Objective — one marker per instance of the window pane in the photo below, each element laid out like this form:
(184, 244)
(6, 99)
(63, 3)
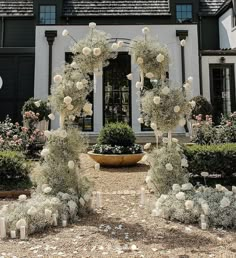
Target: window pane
(47, 14)
(42, 8)
(189, 8)
(178, 8)
(184, 8)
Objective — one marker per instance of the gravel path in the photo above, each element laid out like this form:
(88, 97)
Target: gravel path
(123, 228)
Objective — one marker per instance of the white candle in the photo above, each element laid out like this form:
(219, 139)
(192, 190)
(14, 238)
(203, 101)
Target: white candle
(204, 226)
(99, 200)
(64, 223)
(22, 233)
(142, 196)
(97, 166)
(13, 234)
(3, 232)
(54, 217)
(203, 218)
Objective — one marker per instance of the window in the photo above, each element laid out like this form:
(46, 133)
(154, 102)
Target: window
(47, 14)
(184, 13)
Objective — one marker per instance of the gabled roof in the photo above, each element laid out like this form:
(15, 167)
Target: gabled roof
(210, 7)
(16, 8)
(116, 7)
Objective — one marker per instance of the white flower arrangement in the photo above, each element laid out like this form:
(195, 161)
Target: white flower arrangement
(22, 198)
(203, 204)
(147, 146)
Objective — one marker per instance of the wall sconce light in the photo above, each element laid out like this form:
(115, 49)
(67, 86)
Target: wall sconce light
(222, 60)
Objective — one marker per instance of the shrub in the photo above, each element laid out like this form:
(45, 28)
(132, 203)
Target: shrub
(202, 107)
(119, 134)
(38, 107)
(214, 159)
(14, 169)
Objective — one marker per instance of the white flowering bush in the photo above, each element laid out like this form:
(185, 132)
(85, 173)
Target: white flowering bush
(214, 206)
(151, 56)
(167, 166)
(165, 106)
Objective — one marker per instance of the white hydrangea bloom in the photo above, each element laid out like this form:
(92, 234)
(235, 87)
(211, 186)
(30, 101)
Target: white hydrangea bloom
(73, 65)
(84, 81)
(165, 90)
(37, 103)
(160, 58)
(234, 189)
(187, 187)
(79, 85)
(47, 133)
(71, 164)
(169, 167)
(32, 211)
(153, 126)
(114, 46)
(176, 187)
(51, 116)
(157, 100)
(67, 100)
(139, 85)
(97, 51)
(22, 198)
(174, 140)
(70, 107)
(184, 163)
(72, 206)
(180, 196)
(225, 202)
(47, 190)
(165, 140)
(57, 78)
(147, 146)
(139, 60)
(129, 76)
(190, 79)
(48, 213)
(149, 75)
(21, 223)
(189, 204)
(192, 103)
(140, 120)
(45, 152)
(63, 134)
(86, 51)
(187, 86)
(55, 200)
(176, 109)
(87, 108)
(72, 117)
(92, 25)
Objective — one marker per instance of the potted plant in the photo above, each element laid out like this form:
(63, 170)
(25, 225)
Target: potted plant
(36, 108)
(116, 146)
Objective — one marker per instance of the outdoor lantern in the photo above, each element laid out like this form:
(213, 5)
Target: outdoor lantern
(1, 82)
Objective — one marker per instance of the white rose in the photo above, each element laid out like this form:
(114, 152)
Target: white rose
(73, 65)
(184, 163)
(145, 30)
(55, 200)
(48, 213)
(47, 190)
(22, 198)
(234, 189)
(192, 103)
(32, 211)
(187, 86)
(183, 42)
(97, 51)
(165, 90)
(70, 107)
(92, 25)
(169, 167)
(176, 109)
(87, 108)
(47, 133)
(45, 152)
(51, 116)
(157, 100)
(57, 78)
(79, 85)
(174, 140)
(160, 58)
(72, 117)
(120, 43)
(225, 202)
(65, 33)
(140, 120)
(219, 187)
(176, 187)
(71, 164)
(114, 46)
(86, 51)
(153, 126)
(180, 196)
(147, 146)
(139, 85)
(37, 103)
(165, 140)
(204, 174)
(84, 81)
(189, 205)
(149, 75)
(139, 60)
(190, 79)
(182, 122)
(187, 187)
(67, 100)
(129, 76)
(21, 223)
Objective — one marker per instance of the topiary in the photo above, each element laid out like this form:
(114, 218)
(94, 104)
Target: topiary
(38, 107)
(203, 106)
(120, 134)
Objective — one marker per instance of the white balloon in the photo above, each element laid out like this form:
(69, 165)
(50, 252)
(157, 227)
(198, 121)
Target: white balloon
(1, 82)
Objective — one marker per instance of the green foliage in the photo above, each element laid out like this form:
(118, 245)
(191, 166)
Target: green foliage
(14, 169)
(43, 110)
(214, 159)
(119, 134)
(202, 107)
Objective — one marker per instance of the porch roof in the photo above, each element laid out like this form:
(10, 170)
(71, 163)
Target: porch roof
(211, 7)
(116, 7)
(16, 8)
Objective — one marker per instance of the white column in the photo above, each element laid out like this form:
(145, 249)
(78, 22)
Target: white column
(98, 105)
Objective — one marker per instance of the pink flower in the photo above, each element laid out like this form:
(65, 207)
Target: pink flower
(15, 137)
(228, 123)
